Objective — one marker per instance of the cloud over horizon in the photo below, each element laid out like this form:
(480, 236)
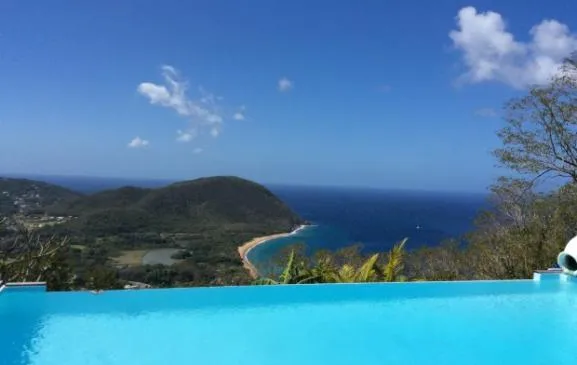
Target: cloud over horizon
(491, 53)
(138, 142)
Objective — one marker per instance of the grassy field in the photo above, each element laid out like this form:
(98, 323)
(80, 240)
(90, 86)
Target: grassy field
(146, 257)
(160, 256)
(131, 257)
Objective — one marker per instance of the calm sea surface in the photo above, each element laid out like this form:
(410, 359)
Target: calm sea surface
(375, 218)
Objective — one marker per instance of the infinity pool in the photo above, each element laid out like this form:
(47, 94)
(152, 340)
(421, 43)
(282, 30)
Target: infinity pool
(503, 322)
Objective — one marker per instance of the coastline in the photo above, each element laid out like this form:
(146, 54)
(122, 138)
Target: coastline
(244, 249)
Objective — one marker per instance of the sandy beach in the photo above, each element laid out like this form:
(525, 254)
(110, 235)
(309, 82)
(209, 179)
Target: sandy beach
(246, 247)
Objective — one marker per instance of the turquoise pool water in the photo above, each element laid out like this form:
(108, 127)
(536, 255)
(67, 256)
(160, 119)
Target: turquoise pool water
(505, 322)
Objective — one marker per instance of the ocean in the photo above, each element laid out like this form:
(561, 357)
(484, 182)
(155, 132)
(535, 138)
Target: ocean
(377, 219)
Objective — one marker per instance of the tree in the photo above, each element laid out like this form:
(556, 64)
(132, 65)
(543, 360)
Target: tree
(27, 256)
(101, 277)
(540, 137)
(441, 263)
(523, 232)
(393, 269)
(60, 276)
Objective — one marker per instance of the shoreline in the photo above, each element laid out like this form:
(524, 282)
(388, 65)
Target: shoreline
(245, 248)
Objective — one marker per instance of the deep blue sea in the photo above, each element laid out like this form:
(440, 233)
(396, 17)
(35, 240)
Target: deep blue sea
(375, 218)
(342, 216)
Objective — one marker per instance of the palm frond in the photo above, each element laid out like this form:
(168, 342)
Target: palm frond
(367, 271)
(395, 262)
(265, 281)
(288, 271)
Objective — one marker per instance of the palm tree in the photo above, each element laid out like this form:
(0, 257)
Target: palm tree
(293, 273)
(349, 274)
(323, 271)
(391, 271)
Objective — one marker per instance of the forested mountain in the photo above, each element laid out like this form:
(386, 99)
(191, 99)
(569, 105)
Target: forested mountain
(108, 234)
(25, 196)
(183, 207)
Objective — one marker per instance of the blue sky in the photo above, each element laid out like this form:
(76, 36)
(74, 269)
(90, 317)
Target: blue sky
(376, 93)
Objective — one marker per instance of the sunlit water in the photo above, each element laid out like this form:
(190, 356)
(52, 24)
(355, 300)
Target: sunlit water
(521, 322)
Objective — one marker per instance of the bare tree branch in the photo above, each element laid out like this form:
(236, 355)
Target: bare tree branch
(540, 137)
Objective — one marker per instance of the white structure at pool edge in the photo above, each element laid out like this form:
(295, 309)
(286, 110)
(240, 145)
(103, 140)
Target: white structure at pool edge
(567, 259)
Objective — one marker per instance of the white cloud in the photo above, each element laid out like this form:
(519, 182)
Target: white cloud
(138, 142)
(185, 136)
(486, 113)
(203, 112)
(197, 150)
(239, 115)
(214, 132)
(284, 84)
(491, 53)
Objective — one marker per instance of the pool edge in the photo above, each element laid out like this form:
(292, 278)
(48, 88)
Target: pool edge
(553, 274)
(539, 275)
(39, 286)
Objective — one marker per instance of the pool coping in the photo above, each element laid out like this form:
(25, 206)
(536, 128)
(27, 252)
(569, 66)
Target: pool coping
(553, 274)
(25, 285)
(538, 275)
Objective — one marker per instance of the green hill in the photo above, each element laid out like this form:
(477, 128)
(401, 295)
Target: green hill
(203, 220)
(30, 196)
(228, 203)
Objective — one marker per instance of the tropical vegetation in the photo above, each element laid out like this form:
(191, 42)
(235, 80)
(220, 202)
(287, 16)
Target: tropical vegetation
(328, 267)
(525, 228)
(204, 220)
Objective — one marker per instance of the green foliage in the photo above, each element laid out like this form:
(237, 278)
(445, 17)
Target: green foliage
(442, 263)
(206, 218)
(393, 269)
(99, 278)
(523, 232)
(328, 267)
(294, 272)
